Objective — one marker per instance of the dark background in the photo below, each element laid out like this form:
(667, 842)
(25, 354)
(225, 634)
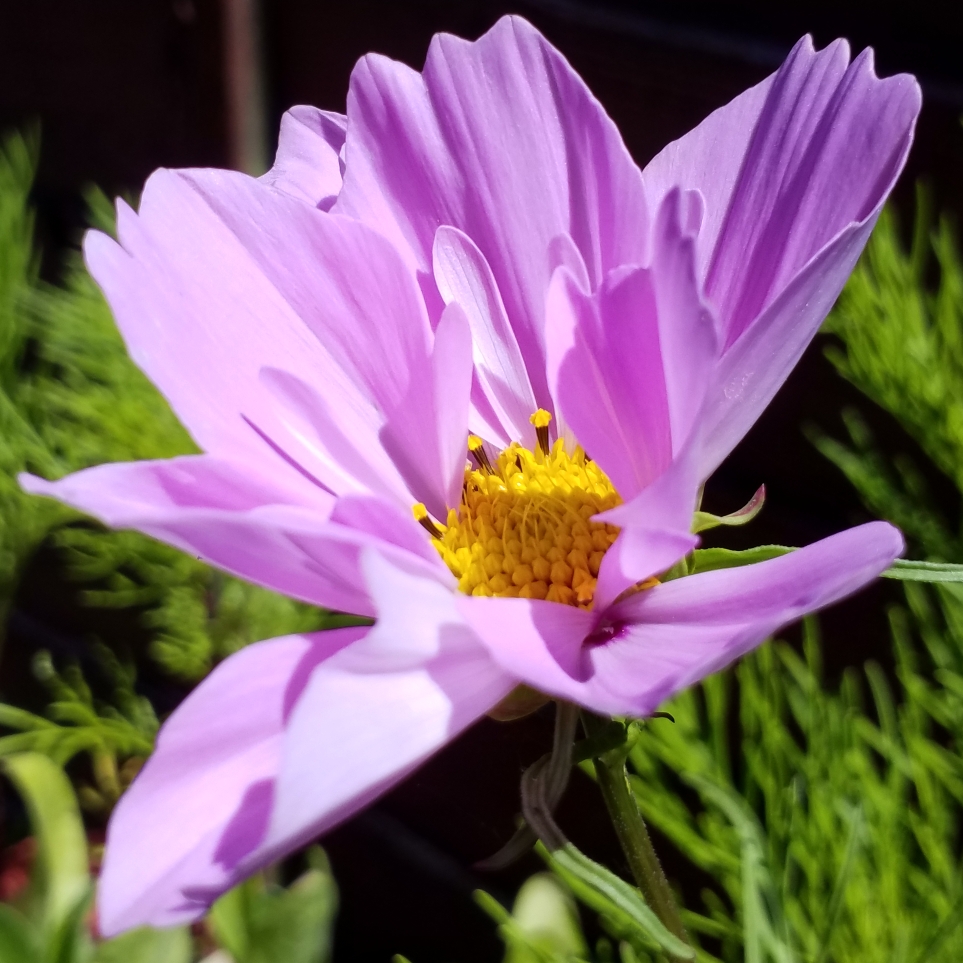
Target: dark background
(120, 88)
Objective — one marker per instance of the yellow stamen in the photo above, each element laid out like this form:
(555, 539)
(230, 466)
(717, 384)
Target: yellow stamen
(427, 523)
(476, 448)
(541, 420)
(523, 528)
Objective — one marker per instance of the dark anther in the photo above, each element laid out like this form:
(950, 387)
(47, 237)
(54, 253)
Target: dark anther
(430, 527)
(476, 449)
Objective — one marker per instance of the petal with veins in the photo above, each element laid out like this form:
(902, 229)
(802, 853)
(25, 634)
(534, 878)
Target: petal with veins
(227, 516)
(308, 162)
(502, 140)
(464, 278)
(203, 799)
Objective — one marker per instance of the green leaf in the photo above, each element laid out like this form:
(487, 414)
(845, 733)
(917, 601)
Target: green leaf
(710, 559)
(909, 570)
(608, 894)
(61, 878)
(12, 717)
(18, 939)
(228, 918)
(70, 941)
(147, 945)
(702, 521)
(258, 923)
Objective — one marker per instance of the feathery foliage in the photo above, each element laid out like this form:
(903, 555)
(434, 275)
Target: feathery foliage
(902, 346)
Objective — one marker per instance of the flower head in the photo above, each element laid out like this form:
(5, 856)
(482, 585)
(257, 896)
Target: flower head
(457, 364)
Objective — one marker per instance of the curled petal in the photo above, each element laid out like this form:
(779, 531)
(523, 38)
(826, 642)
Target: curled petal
(464, 278)
(308, 163)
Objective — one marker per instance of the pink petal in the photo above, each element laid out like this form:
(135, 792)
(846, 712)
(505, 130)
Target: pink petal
(641, 552)
(199, 317)
(353, 291)
(502, 140)
(427, 432)
(375, 711)
(464, 278)
(755, 367)
(628, 659)
(708, 159)
(227, 516)
(203, 799)
(332, 431)
(539, 643)
(688, 343)
(656, 527)
(308, 162)
(785, 168)
(628, 366)
(684, 630)
(342, 279)
(606, 368)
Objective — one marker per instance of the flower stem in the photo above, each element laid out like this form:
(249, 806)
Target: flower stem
(633, 835)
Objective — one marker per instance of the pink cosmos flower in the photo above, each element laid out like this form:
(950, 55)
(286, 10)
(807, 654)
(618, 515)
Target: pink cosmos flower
(470, 250)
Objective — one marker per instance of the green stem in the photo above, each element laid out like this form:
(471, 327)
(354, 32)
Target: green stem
(633, 836)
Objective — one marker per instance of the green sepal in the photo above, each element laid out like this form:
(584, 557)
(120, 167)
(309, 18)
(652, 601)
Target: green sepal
(702, 521)
(710, 559)
(612, 735)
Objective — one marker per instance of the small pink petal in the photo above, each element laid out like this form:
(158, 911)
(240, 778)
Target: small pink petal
(464, 278)
(308, 162)
(606, 369)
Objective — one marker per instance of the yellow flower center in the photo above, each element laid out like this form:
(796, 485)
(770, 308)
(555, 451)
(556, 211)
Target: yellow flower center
(523, 528)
